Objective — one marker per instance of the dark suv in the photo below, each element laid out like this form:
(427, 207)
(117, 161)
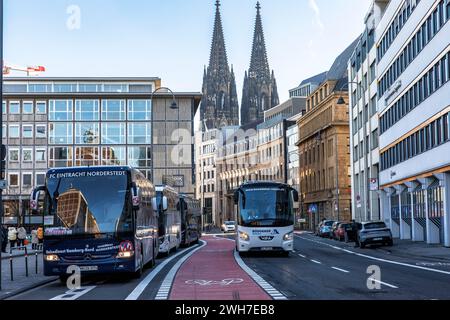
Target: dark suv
(375, 232)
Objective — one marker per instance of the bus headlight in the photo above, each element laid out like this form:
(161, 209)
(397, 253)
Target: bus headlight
(243, 236)
(51, 257)
(288, 236)
(125, 254)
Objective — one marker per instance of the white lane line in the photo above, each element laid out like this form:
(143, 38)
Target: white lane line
(164, 290)
(134, 295)
(379, 259)
(274, 293)
(300, 255)
(339, 269)
(384, 283)
(74, 293)
(315, 261)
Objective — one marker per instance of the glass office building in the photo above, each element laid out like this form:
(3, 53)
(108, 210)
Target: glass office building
(61, 122)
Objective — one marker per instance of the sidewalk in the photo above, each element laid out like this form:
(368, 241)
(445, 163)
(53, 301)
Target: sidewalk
(212, 273)
(20, 281)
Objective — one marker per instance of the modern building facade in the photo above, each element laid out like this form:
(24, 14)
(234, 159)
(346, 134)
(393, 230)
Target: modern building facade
(220, 106)
(413, 49)
(324, 148)
(260, 91)
(308, 86)
(63, 122)
(364, 151)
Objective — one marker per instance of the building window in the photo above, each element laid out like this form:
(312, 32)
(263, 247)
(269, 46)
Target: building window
(113, 110)
(13, 155)
(60, 110)
(87, 133)
(4, 107)
(114, 156)
(139, 156)
(60, 133)
(86, 156)
(41, 155)
(87, 110)
(139, 133)
(139, 110)
(13, 179)
(113, 133)
(14, 131)
(27, 131)
(41, 131)
(27, 155)
(40, 179)
(60, 157)
(41, 107)
(89, 87)
(27, 179)
(14, 107)
(27, 107)
(4, 131)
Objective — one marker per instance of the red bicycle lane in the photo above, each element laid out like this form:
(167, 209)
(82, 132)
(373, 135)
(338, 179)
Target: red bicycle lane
(212, 273)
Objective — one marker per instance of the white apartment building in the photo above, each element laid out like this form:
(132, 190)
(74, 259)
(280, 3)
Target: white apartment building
(413, 49)
(364, 149)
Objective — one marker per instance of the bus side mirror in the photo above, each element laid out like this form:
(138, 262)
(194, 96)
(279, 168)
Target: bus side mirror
(135, 197)
(236, 197)
(295, 195)
(164, 203)
(34, 199)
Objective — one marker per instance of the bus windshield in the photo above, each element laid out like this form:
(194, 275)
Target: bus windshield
(266, 208)
(82, 204)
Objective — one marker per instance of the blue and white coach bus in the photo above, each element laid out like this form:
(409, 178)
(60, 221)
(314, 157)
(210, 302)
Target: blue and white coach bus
(265, 217)
(100, 219)
(190, 210)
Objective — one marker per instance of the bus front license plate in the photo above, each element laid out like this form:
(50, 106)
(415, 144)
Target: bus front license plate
(266, 249)
(89, 268)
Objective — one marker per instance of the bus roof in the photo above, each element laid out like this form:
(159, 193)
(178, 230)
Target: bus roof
(264, 184)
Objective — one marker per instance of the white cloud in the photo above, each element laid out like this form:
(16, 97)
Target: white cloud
(314, 7)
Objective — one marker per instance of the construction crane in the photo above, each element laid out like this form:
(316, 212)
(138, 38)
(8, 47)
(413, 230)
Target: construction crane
(30, 70)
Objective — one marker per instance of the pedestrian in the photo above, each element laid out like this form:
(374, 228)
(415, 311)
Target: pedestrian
(355, 233)
(4, 238)
(34, 239)
(12, 237)
(21, 236)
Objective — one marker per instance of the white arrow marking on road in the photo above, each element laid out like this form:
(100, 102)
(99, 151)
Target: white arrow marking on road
(134, 295)
(74, 293)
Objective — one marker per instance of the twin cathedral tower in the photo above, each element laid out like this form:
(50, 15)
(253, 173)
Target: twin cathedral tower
(220, 106)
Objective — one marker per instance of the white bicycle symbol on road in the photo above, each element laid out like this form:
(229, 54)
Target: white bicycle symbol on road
(224, 282)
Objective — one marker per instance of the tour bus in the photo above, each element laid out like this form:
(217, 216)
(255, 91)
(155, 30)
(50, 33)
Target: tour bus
(190, 220)
(169, 221)
(100, 219)
(265, 217)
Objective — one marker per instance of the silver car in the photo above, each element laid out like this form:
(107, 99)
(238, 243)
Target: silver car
(374, 232)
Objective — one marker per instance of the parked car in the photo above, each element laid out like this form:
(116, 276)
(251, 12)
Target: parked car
(374, 232)
(334, 227)
(340, 231)
(229, 226)
(325, 229)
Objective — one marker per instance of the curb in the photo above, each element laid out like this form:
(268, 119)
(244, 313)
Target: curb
(27, 288)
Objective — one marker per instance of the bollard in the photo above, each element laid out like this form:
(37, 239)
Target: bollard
(11, 265)
(26, 261)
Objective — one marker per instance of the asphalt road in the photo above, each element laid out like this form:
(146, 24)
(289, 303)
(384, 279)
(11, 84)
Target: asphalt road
(319, 269)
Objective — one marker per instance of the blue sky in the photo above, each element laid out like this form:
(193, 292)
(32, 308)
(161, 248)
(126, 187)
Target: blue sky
(171, 38)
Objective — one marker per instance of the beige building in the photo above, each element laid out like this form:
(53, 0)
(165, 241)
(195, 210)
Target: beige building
(324, 149)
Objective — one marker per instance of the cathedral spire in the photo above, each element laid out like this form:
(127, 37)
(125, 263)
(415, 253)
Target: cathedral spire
(218, 60)
(259, 63)
(260, 88)
(219, 105)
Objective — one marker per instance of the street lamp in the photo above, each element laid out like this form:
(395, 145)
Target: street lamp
(173, 105)
(366, 142)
